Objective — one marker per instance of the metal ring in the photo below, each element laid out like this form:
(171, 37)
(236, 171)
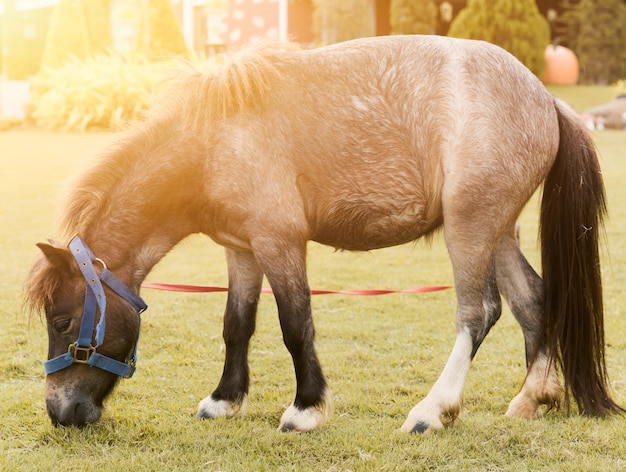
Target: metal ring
(104, 266)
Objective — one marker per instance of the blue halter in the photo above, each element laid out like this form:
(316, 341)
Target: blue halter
(82, 351)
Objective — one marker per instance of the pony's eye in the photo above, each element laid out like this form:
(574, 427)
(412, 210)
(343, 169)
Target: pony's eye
(61, 325)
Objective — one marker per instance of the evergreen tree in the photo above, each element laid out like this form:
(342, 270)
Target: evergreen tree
(98, 21)
(515, 25)
(413, 16)
(22, 39)
(164, 32)
(335, 21)
(596, 32)
(565, 26)
(78, 28)
(82, 28)
(67, 36)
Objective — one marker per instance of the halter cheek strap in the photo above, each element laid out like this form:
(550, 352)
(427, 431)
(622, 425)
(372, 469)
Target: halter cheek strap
(83, 351)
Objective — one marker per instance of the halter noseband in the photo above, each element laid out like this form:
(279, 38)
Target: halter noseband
(82, 351)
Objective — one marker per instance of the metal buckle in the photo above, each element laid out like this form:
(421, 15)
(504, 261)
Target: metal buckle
(132, 366)
(81, 354)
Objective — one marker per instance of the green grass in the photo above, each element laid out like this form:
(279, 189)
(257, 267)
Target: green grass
(381, 354)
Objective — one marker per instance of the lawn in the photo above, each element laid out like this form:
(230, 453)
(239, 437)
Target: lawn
(380, 354)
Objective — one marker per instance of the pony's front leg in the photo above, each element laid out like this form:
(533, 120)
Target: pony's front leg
(313, 403)
(285, 271)
(245, 277)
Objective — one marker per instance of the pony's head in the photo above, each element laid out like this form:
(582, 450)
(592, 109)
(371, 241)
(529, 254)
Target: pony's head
(78, 377)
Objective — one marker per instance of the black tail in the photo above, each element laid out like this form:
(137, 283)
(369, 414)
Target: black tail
(572, 214)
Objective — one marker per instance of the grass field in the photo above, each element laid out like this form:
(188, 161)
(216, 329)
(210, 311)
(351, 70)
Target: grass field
(381, 354)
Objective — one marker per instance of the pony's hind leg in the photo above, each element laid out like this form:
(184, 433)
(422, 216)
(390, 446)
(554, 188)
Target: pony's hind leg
(479, 307)
(245, 277)
(285, 271)
(523, 290)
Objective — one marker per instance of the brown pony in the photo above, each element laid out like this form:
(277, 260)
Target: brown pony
(361, 145)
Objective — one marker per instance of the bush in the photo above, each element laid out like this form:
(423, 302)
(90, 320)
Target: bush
(413, 16)
(596, 32)
(515, 25)
(166, 38)
(335, 21)
(103, 91)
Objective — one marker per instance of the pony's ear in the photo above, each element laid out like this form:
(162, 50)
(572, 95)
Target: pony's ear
(59, 257)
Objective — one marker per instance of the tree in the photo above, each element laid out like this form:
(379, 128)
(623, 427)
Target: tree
(68, 35)
(596, 32)
(22, 37)
(82, 28)
(165, 37)
(98, 23)
(515, 25)
(413, 16)
(565, 25)
(335, 21)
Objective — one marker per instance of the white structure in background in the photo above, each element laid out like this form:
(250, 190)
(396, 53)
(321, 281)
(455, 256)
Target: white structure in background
(14, 96)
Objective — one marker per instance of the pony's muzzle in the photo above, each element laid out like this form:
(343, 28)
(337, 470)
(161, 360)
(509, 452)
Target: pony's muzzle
(69, 407)
(73, 414)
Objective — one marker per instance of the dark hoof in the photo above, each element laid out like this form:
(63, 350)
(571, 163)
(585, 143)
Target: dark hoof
(287, 428)
(420, 427)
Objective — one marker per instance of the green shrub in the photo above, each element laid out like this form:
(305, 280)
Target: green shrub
(335, 21)
(166, 38)
(104, 91)
(596, 32)
(413, 16)
(515, 25)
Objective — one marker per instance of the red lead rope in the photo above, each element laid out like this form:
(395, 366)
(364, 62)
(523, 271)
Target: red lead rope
(369, 292)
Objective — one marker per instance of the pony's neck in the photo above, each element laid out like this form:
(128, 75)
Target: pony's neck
(149, 202)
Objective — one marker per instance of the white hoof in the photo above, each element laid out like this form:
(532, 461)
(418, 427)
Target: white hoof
(417, 423)
(522, 406)
(211, 408)
(426, 417)
(299, 421)
(541, 389)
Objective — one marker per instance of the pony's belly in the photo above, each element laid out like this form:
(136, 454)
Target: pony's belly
(374, 232)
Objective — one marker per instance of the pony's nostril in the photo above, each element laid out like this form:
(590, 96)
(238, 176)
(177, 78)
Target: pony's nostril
(53, 418)
(80, 414)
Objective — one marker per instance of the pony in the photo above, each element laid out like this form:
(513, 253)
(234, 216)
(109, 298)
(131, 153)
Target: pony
(360, 145)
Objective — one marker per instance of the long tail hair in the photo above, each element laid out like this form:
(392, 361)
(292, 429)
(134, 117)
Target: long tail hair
(573, 209)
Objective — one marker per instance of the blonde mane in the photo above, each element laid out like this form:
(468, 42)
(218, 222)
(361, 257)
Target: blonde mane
(223, 86)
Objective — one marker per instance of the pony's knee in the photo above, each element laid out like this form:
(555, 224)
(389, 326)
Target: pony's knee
(212, 408)
(299, 420)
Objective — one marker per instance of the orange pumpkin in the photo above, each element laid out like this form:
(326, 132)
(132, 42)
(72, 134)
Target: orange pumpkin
(561, 66)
